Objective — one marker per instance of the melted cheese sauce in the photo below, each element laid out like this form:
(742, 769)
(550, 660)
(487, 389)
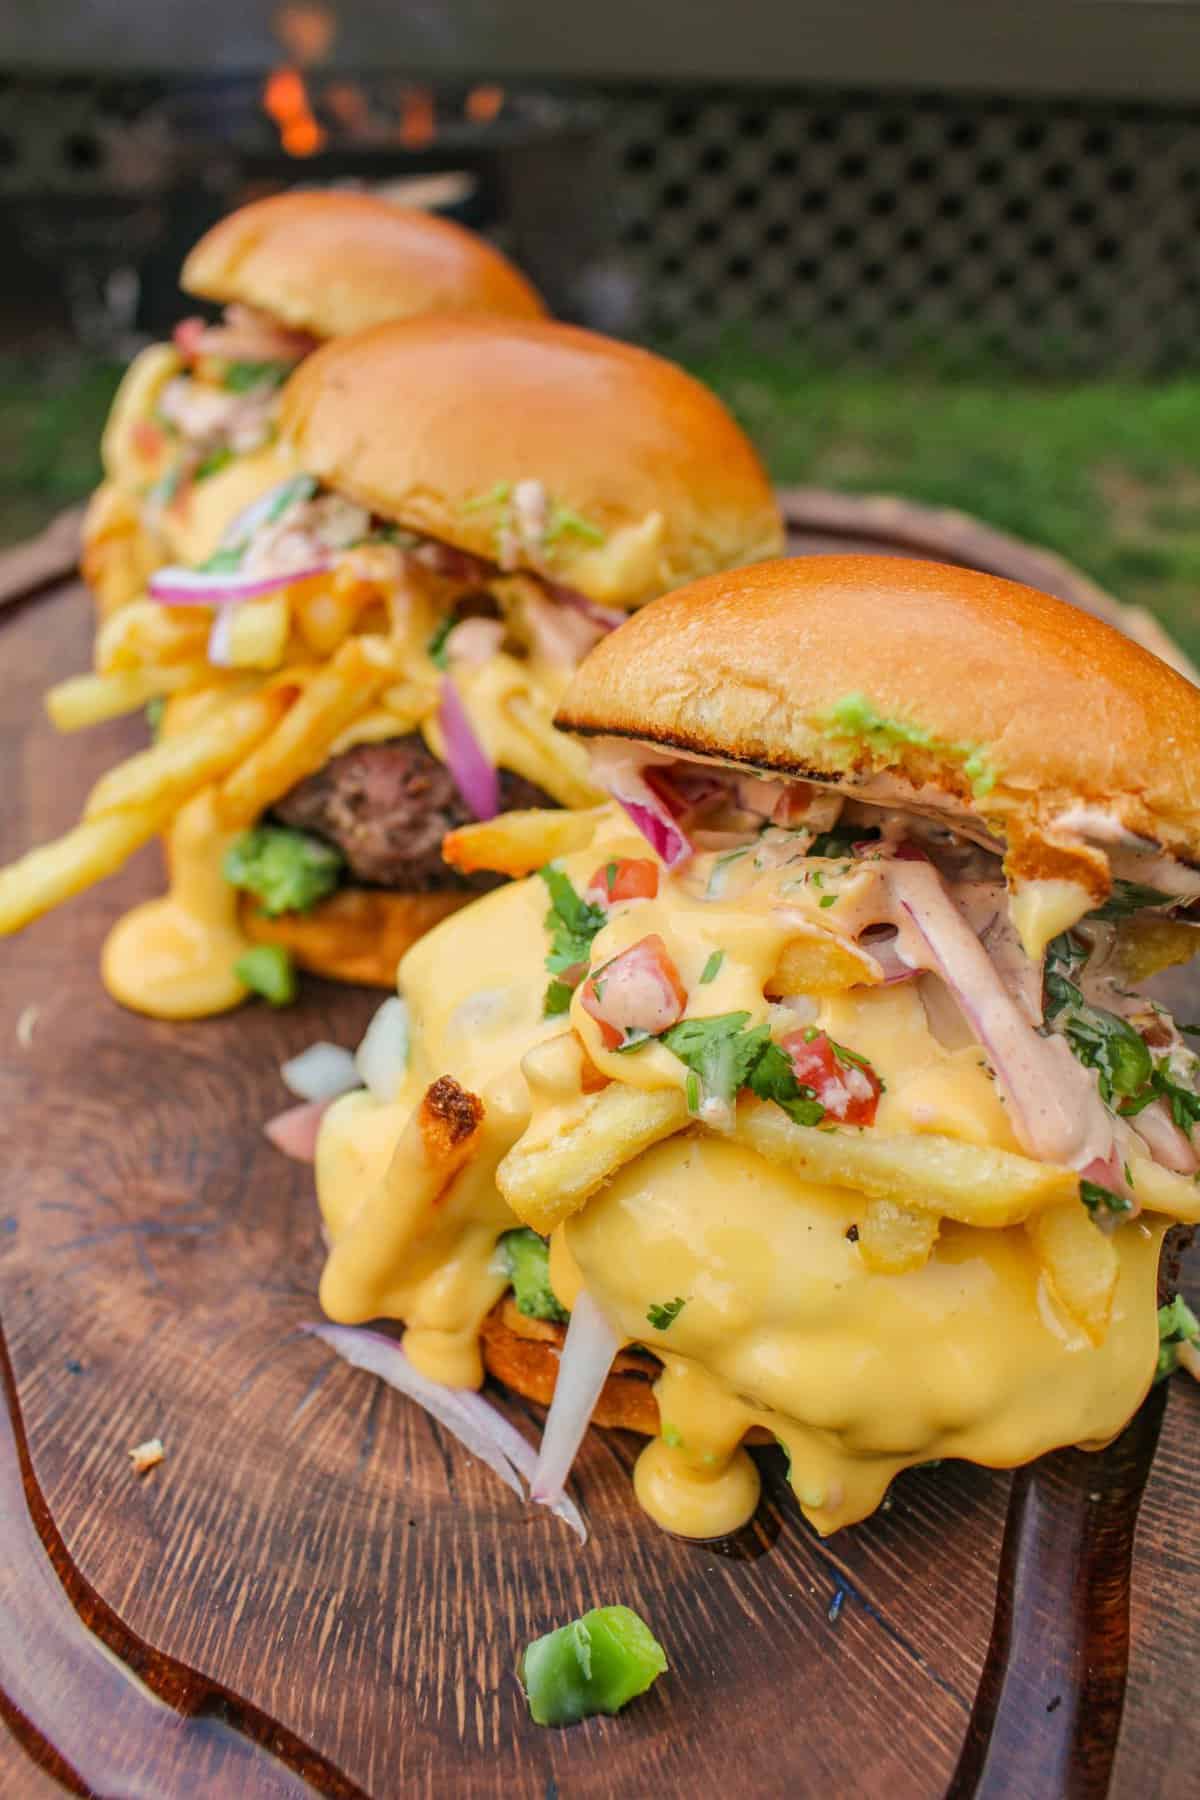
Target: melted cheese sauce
(857, 1374)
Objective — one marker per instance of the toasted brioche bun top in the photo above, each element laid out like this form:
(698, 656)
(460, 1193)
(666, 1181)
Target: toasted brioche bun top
(994, 699)
(331, 263)
(432, 422)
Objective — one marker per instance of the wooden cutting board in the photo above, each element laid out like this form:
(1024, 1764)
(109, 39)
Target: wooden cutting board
(328, 1595)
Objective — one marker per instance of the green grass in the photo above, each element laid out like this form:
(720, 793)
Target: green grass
(1105, 472)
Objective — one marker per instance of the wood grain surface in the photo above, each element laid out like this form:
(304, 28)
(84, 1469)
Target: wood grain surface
(332, 1595)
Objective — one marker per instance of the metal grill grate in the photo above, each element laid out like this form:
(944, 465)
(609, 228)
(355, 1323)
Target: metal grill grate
(1065, 236)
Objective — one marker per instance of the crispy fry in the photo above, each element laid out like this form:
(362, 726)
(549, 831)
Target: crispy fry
(1080, 1263)
(180, 765)
(941, 1175)
(1162, 1191)
(894, 1238)
(259, 632)
(559, 1162)
(440, 1137)
(513, 722)
(331, 699)
(43, 878)
(816, 962)
(147, 635)
(90, 699)
(517, 843)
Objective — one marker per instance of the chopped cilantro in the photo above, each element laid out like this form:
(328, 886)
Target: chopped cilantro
(527, 1259)
(829, 900)
(291, 493)
(723, 1057)
(435, 649)
(214, 462)
(1183, 1103)
(224, 562)
(495, 496)
(1102, 1202)
(712, 968)
(841, 840)
(691, 1091)
(1177, 1324)
(154, 714)
(240, 377)
(663, 1317)
(564, 520)
(572, 923)
(1129, 897)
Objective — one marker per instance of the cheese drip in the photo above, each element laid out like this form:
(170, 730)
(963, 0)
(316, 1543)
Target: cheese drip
(784, 1326)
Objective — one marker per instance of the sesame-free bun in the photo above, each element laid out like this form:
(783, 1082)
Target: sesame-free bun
(996, 700)
(432, 422)
(329, 263)
(356, 935)
(524, 1355)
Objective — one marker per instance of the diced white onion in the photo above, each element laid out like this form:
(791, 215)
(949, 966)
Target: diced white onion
(321, 1072)
(382, 1057)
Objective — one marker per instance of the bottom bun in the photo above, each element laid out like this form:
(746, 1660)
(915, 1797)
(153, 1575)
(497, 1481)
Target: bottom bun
(358, 934)
(523, 1354)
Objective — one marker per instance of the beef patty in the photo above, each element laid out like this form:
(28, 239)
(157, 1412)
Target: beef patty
(387, 808)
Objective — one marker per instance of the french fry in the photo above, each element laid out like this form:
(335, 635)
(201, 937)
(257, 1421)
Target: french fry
(259, 632)
(548, 757)
(147, 635)
(84, 700)
(440, 1137)
(1080, 1262)
(816, 962)
(1162, 1191)
(180, 765)
(976, 1186)
(1147, 944)
(517, 843)
(45, 877)
(549, 1173)
(334, 696)
(893, 1239)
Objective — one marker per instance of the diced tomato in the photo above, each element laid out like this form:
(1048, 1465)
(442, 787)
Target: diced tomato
(848, 1088)
(638, 992)
(909, 852)
(630, 878)
(149, 439)
(187, 335)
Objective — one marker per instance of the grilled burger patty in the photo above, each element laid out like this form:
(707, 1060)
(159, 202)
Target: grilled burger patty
(387, 808)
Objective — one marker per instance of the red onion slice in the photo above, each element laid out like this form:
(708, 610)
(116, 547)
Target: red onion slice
(176, 586)
(382, 1057)
(607, 617)
(474, 776)
(1057, 1112)
(464, 1414)
(658, 828)
(295, 1131)
(1165, 1141)
(321, 1072)
(523, 1457)
(587, 1357)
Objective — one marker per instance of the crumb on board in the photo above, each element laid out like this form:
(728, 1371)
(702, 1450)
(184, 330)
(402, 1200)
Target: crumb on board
(26, 1025)
(147, 1456)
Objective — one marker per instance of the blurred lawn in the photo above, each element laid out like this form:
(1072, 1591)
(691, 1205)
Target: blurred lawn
(1105, 472)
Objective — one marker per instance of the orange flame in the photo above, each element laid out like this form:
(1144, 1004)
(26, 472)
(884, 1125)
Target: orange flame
(285, 99)
(484, 103)
(417, 121)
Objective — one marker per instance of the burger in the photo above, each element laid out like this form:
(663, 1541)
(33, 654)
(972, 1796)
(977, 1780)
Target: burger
(373, 655)
(813, 1099)
(192, 437)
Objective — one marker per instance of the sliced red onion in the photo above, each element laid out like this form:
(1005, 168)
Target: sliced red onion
(220, 639)
(607, 617)
(627, 777)
(659, 830)
(474, 642)
(523, 1457)
(587, 1357)
(295, 1131)
(474, 776)
(883, 950)
(1165, 1141)
(382, 1057)
(1056, 1109)
(321, 1072)
(176, 586)
(477, 1425)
